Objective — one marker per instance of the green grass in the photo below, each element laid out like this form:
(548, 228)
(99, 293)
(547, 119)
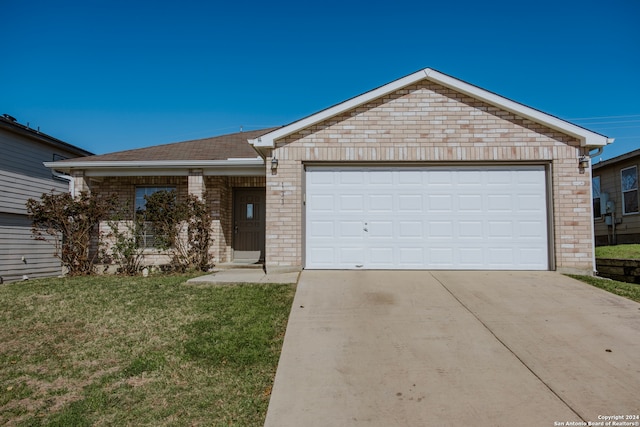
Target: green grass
(104, 351)
(627, 290)
(618, 252)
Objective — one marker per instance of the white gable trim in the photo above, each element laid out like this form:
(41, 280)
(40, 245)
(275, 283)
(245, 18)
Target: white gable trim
(586, 137)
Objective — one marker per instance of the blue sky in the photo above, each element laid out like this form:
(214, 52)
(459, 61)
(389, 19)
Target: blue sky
(114, 75)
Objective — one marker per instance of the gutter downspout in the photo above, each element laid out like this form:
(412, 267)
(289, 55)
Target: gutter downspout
(68, 178)
(597, 153)
(593, 226)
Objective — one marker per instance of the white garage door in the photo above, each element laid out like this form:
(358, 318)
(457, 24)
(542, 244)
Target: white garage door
(485, 218)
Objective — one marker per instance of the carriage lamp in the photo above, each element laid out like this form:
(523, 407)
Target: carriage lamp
(583, 162)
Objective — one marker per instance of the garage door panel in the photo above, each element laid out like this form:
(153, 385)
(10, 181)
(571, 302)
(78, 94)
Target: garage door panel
(472, 178)
(410, 178)
(499, 203)
(381, 203)
(409, 203)
(427, 218)
(380, 230)
(530, 203)
(441, 257)
(411, 256)
(471, 257)
(350, 229)
(500, 230)
(322, 203)
(440, 230)
(470, 229)
(351, 255)
(321, 229)
(323, 257)
(470, 203)
(382, 178)
(410, 230)
(439, 203)
(440, 178)
(531, 257)
(500, 257)
(531, 230)
(499, 177)
(382, 255)
(347, 177)
(351, 203)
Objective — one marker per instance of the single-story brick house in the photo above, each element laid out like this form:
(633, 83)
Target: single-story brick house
(616, 210)
(425, 172)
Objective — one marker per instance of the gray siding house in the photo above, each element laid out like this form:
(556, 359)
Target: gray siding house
(23, 176)
(616, 211)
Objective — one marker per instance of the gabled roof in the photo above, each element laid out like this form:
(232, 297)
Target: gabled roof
(586, 137)
(224, 151)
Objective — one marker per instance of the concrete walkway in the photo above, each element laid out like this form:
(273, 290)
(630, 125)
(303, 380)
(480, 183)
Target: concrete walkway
(381, 348)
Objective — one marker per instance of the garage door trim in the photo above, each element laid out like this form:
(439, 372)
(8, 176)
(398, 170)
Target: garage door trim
(465, 167)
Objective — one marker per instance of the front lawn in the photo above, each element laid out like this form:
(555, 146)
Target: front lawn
(138, 351)
(627, 290)
(618, 252)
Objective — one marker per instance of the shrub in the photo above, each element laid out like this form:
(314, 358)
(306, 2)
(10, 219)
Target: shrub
(182, 228)
(69, 224)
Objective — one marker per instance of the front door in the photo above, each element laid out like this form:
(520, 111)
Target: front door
(249, 224)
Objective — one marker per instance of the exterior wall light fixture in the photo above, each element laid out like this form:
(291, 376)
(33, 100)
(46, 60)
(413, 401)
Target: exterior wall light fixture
(583, 162)
(274, 165)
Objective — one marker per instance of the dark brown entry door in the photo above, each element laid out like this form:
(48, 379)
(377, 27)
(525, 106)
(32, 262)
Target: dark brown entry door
(249, 223)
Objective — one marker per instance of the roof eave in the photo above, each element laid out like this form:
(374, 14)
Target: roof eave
(586, 137)
(239, 167)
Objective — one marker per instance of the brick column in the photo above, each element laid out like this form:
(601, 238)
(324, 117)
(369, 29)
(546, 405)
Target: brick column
(196, 185)
(80, 182)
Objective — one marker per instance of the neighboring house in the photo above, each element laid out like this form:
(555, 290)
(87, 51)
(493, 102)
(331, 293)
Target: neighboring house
(615, 200)
(426, 172)
(23, 176)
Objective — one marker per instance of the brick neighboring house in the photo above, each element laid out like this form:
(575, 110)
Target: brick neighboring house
(425, 172)
(615, 200)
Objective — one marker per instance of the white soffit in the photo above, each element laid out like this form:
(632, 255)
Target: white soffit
(162, 167)
(586, 137)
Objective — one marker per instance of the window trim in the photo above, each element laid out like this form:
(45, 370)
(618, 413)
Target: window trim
(599, 198)
(623, 191)
(146, 233)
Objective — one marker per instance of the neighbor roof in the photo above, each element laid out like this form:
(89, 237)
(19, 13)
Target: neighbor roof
(11, 124)
(614, 160)
(586, 137)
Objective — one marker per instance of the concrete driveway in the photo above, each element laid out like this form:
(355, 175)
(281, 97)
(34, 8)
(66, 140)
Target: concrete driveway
(421, 348)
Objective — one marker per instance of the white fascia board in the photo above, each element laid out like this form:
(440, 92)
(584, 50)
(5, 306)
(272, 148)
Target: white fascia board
(154, 164)
(217, 171)
(231, 167)
(586, 137)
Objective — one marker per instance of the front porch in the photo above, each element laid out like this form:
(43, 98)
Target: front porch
(236, 205)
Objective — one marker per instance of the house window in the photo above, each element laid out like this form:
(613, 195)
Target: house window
(595, 186)
(147, 232)
(629, 185)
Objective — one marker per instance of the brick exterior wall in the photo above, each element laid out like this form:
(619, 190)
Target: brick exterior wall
(218, 191)
(429, 123)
